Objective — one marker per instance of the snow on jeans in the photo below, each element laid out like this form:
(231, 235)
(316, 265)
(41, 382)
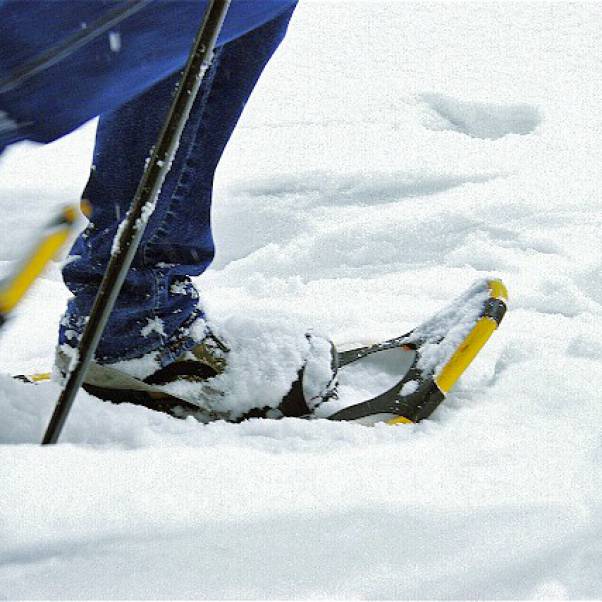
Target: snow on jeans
(158, 305)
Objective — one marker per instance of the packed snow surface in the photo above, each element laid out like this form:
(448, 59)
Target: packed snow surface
(393, 153)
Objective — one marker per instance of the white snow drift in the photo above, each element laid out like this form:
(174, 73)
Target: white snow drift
(393, 153)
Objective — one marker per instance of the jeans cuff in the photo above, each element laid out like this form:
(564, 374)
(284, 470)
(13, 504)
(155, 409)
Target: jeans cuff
(188, 334)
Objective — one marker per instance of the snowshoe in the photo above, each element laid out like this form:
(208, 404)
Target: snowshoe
(427, 362)
(48, 244)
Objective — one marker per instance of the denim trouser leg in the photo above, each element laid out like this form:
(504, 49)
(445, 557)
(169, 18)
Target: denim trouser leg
(158, 303)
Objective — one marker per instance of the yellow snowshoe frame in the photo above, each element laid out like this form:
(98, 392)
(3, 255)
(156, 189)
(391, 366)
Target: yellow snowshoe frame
(14, 287)
(476, 338)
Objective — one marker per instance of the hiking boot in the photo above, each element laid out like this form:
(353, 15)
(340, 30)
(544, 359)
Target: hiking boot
(216, 380)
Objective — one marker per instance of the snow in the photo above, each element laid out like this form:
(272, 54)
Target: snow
(410, 387)
(116, 245)
(154, 325)
(466, 309)
(114, 41)
(393, 154)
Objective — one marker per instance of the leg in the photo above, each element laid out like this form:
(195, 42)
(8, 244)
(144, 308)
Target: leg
(157, 309)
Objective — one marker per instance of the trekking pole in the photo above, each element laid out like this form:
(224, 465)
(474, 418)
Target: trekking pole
(132, 228)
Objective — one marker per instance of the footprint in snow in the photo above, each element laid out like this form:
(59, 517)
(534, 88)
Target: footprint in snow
(328, 189)
(585, 346)
(479, 119)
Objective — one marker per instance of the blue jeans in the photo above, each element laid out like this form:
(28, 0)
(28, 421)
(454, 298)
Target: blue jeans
(158, 304)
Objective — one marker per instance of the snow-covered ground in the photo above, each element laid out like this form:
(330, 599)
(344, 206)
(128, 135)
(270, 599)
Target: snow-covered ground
(393, 153)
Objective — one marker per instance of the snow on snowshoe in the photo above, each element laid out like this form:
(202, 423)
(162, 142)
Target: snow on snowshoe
(220, 378)
(424, 365)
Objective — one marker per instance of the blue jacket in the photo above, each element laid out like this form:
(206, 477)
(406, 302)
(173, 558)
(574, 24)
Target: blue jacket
(64, 62)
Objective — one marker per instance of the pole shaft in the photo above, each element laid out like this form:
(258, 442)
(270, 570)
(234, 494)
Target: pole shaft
(134, 224)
